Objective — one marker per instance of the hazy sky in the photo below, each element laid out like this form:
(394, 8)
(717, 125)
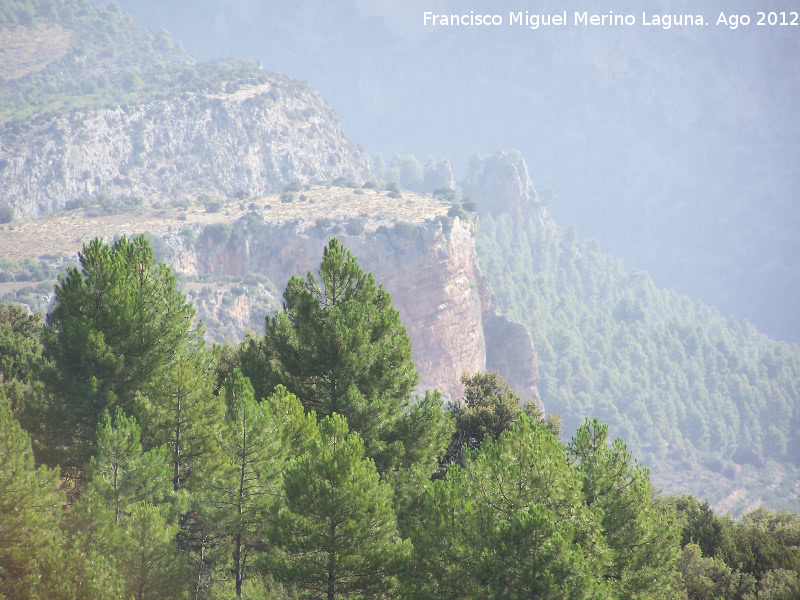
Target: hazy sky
(677, 148)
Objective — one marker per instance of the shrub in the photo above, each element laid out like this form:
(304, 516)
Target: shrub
(445, 193)
(457, 211)
(345, 182)
(217, 234)
(405, 230)
(447, 223)
(470, 204)
(79, 202)
(356, 226)
(6, 213)
(293, 186)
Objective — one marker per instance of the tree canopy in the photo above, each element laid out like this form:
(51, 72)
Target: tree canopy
(117, 325)
(339, 346)
(192, 492)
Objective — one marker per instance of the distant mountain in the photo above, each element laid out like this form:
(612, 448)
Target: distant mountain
(99, 110)
(711, 405)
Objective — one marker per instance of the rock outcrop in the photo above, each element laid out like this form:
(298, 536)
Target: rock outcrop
(250, 141)
(501, 184)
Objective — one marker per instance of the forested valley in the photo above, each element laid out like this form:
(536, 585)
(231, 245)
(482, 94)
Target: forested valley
(710, 400)
(139, 463)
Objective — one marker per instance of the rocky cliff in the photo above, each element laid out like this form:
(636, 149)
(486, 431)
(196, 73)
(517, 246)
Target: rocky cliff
(250, 141)
(501, 184)
(433, 276)
(97, 110)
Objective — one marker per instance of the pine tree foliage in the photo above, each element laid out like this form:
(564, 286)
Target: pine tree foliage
(149, 559)
(687, 388)
(88, 564)
(20, 353)
(181, 410)
(339, 346)
(511, 523)
(642, 537)
(238, 494)
(243, 482)
(122, 474)
(116, 326)
(338, 531)
(30, 502)
(21, 367)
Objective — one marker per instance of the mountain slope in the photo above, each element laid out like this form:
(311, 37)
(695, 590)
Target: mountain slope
(99, 110)
(710, 404)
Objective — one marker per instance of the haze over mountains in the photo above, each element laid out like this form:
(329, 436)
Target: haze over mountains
(675, 148)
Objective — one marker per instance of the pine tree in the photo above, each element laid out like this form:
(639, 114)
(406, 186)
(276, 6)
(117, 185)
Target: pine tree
(30, 504)
(20, 353)
(116, 326)
(338, 531)
(86, 567)
(643, 538)
(339, 346)
(243, 482)
(122, 474)
(181, 409)
(149, 559)
(21, 367)
(510, 524)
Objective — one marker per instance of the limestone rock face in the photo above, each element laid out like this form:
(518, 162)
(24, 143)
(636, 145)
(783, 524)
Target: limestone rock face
(253, 140)
(441, 176)
(509, 350)
(501, 184)
(435, 282)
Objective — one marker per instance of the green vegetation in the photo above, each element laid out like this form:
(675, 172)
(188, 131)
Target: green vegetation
(323, 478)
(339, 346)
(98, 57)
(30, 503)
(338, 531)
(115, 330)
(687, 388)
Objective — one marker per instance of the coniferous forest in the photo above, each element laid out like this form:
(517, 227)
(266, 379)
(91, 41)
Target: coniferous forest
(691, 390)
(139, 463)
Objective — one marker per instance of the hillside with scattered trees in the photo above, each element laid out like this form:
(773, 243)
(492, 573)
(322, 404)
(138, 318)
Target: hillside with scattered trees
(304, 459)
